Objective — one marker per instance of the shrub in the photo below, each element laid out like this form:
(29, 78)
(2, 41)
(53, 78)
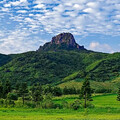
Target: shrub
(11, 103)
(57, 106)
(30, 105)
(103, 90)
(1, 102)
(12, 96)
(75, 105)
(48, 104)
(65, 104)
(88, 105)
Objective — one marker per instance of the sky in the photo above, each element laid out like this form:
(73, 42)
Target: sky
(27, 24)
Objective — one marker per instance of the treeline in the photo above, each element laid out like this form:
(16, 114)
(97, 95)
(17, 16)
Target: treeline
(22, 95)
(31, 95)
(105, 70)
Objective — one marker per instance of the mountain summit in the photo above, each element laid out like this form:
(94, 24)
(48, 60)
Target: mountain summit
(63, 41)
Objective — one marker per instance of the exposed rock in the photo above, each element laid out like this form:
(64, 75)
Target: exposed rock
(60, 42)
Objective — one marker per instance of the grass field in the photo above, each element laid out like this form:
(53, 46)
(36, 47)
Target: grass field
(77, 83)
(106, 108)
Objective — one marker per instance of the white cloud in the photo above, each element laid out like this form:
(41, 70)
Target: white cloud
(7, 5)
(18, 41)
(5, 10)
(96, 46)
(20, 2)
(21, 11)
(39, 6)
(81, 17)
(93, 4)
(2, 1)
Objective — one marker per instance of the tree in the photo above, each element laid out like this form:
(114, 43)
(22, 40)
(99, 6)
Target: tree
(17, 85)
(118, 96)
(76, 104)
(85, 92)
(23, 91)
(1, 90)
(6, 88)
(12, 97)
(37, 93)
(65, 90)
(57, 91)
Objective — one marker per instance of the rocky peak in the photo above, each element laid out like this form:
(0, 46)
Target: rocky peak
(66, 38)
(61, 41)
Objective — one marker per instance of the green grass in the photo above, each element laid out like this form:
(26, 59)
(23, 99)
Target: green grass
(106, 101)
(106, 108)
(97, 86)
(93, 65)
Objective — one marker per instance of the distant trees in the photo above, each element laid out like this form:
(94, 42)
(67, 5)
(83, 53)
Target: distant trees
(57, 91)
(11, 97)
(23, 91)
(1, 90)
(37, 95)
(118, 96)
(85, 92)
(40, 95)
(6, 88)
(73, 90)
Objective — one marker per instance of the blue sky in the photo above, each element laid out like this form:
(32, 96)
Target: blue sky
(27, 24)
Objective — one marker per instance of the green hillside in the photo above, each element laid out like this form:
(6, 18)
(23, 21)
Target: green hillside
(47, 67)
(4, 59)
(100, 70)
(106, 69)
(59, 61)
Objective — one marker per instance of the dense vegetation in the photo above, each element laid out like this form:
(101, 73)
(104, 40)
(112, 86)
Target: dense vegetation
(5, 59)
(105, 108)
(46, 67)
(25, 78)
(33, 96)
(38, 96)
(63, 68)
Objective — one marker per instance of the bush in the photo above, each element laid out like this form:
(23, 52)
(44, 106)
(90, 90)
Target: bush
(12, 96)
(11, 103)
(89, 105)
(65, 104)
(57, 106)
(75, 105)
(1, 102)
(30, 105)
(48, 104)
(103, 90)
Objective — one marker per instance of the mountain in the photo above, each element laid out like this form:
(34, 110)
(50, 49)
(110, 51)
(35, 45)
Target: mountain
(102, 70)
(5, 59)
(63, 41)
(59, 61)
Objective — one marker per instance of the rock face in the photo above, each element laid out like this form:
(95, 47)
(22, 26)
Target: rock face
(63, 41)
(64, 38)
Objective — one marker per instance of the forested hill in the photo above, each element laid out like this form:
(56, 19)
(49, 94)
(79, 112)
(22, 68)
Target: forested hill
(4, 59)
(58, 59)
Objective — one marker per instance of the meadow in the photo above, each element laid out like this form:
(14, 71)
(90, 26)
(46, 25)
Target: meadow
(105, 108)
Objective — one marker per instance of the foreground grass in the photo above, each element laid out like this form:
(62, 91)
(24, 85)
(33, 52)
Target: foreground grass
(36, 114)
(106, 108)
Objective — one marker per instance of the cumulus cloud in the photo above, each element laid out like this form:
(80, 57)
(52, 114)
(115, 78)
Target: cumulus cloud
(81, 17)
(20, 2)
(21, 11)
(96, 46)
(18, 41)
